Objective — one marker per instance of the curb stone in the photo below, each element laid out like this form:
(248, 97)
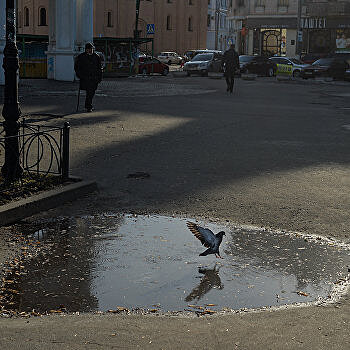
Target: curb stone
(23, 208)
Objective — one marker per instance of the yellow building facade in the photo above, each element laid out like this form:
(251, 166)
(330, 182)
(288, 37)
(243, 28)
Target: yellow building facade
(179, 25)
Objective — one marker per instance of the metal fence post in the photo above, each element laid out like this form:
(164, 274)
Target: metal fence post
(65, 151)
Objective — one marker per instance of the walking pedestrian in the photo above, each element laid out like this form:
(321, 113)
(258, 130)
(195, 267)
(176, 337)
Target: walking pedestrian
(231, 63)
(88, 67)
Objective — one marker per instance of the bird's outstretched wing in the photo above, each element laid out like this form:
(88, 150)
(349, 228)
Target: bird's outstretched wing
(205, 235)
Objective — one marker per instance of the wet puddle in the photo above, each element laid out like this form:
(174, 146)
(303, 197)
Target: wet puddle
(106, 262)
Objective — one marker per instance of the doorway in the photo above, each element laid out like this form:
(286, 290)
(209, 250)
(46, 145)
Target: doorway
(273, 42)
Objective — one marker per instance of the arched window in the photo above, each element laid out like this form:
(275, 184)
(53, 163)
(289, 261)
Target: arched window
(190, 24)
(42, 17)
(109, 19)
(168, 22)
(26, 17)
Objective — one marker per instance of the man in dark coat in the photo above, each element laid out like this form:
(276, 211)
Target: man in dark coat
(88, 68)
(231, 63)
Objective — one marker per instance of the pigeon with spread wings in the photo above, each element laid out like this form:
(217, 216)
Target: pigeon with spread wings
(208, 239)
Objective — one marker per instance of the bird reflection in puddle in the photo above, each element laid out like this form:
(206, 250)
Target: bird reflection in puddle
(210, 280)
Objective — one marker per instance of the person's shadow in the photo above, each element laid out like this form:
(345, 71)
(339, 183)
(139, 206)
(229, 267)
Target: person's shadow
(211, 279)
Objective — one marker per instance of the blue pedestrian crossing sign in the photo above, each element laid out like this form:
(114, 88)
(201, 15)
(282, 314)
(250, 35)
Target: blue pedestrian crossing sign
(150, 28)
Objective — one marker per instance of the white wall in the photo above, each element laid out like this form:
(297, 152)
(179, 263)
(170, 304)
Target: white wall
(291, 49)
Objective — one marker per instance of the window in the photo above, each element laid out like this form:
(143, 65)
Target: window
(26, 17)
(42, 16)
(169, 1)
(190, 24)
(283, 3)
(168, 22)
(190, 2)
(109, 19)
(259, 3)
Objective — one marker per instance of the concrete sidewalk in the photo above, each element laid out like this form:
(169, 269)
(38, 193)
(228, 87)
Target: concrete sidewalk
(272, 154)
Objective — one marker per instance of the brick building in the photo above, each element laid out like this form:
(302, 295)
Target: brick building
(179, 24)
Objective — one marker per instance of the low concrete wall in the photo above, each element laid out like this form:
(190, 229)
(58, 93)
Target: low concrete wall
(18, 210)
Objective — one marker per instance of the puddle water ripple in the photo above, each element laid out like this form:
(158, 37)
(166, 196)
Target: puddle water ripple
(113, 260)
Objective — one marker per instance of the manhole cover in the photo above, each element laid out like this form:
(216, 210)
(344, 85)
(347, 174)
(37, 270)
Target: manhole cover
(152, 262)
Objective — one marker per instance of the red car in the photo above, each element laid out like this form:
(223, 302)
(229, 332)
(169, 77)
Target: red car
(310, 58)
(148, 65)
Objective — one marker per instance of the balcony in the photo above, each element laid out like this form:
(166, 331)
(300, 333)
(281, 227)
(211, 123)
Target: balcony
(334, 8)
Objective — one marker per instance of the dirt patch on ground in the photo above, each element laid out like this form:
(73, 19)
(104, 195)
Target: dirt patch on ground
(26, 187)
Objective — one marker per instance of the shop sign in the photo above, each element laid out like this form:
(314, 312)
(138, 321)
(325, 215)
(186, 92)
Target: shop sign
(313, 23)
(271, 22)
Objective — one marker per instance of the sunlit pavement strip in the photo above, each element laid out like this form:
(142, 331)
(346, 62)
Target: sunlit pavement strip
(128, 263)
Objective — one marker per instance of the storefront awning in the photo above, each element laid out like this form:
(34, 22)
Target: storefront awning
(271, 22)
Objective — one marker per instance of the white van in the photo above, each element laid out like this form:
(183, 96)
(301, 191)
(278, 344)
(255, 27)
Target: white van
(170, 57)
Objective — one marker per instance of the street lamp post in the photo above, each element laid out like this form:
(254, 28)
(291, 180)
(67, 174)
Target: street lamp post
(136, 31)
(137, 36)
(217, 20)
(11, 112)
(299, 30)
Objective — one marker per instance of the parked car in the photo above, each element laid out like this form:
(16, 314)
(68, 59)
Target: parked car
(103, 59)
(148, 65)
(296, 64)
(310, 58)
(341, 55)
(326, 67)
(170, 57)
(347, 75)
(346, 57)
(189, 54)
(142, 54)
(202, 63)
(259, 65)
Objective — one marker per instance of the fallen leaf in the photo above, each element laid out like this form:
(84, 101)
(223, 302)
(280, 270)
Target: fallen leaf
(340, 280)
(209, 312)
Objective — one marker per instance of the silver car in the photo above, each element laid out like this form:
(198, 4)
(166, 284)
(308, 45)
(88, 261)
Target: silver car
(203, 63)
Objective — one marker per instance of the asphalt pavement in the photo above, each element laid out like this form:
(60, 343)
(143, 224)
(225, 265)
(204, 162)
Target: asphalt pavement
(273, 154)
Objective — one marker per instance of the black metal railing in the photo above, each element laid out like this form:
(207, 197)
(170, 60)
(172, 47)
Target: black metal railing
(43, 150)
